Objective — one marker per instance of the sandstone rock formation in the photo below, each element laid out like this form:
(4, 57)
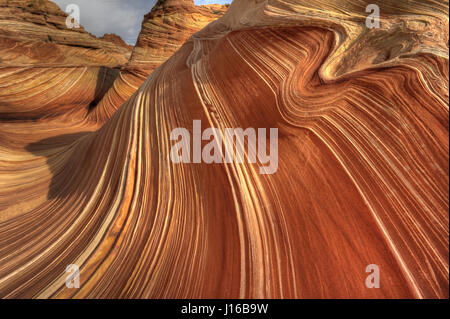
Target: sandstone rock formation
(47, 69)
(35, 32)
(164, 30)
(118, 41)
(363, 171)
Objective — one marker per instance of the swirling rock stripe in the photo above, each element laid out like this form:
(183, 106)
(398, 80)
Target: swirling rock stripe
(43, 92)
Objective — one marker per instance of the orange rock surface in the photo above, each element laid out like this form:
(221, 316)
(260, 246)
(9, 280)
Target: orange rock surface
(113, 38)
(363, 174)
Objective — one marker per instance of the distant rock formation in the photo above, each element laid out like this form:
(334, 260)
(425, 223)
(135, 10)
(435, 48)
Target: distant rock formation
(51, 69)
(167, 27)
(169, 24)
(35, 32)
(117, 40)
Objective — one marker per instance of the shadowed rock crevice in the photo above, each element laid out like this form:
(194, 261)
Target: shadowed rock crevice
(105, 80)
(66, 170)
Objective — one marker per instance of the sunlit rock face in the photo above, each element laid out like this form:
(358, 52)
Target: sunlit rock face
(35, 32)
(117, 40)
(48, 70)
(363, 167)
(164, 30)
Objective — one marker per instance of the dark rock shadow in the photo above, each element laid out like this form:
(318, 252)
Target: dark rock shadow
(105, 80)
(66, 169)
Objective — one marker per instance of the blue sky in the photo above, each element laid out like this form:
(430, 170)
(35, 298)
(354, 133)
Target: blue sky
(123, 18)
